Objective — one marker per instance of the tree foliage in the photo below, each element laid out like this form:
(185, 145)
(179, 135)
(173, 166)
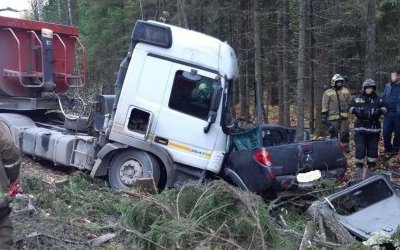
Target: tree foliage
(336, 42)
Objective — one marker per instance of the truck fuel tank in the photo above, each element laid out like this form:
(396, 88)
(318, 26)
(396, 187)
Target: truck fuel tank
(60, 148)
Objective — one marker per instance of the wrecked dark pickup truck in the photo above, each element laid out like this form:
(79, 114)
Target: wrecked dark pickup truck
(266, 157)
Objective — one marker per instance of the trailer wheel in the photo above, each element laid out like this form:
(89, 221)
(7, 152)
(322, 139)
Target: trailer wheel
(127, 166)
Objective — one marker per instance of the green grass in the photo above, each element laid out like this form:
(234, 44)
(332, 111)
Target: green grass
(211, 216)
(208, 216)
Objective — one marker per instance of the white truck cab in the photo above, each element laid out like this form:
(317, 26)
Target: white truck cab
(175, 78)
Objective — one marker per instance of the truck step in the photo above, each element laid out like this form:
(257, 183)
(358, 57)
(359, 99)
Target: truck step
(68, 76)
(14, 73)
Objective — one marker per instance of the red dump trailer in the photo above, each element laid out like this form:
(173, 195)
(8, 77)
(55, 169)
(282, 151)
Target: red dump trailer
(37, 57)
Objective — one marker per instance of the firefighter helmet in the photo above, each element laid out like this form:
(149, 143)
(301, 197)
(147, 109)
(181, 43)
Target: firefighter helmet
(368, 83)
(336, 78)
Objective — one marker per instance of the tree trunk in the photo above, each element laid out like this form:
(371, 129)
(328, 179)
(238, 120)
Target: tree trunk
(370, 64)
(321, 71)
(257, 62)
(36, 6)
(312, 69)
(281, 101)
(266, 97)
(59, 11)
(334, 229)
(285, 61)
(247, 84)
(182, 13)
(69, 12)
(301, 70)
(241, 22)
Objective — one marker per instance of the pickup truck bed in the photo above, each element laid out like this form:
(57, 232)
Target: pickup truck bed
(267, 158)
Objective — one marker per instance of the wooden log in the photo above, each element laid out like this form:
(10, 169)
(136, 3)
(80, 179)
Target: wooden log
(101, 239)
(309, 232)
(333, 227)
(322, 230)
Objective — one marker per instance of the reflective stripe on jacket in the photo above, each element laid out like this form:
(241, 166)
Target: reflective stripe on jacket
(367, 121)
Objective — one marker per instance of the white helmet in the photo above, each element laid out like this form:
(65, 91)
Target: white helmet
(336, 78)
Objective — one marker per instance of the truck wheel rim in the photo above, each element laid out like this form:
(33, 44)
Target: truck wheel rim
(130, 171)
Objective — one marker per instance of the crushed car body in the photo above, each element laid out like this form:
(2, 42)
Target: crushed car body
(367, 208)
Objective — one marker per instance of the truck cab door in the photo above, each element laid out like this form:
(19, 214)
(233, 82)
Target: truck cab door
(184, 115)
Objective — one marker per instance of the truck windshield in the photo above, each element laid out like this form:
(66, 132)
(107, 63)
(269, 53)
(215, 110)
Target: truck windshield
(192, 96)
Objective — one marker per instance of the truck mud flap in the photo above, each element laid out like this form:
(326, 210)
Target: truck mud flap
(235, 178)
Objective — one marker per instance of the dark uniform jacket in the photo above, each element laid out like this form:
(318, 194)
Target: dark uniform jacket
(391, 97)
(368, 110)
(9, 166)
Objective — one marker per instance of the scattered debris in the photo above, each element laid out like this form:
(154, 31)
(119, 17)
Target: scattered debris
(377, 239)
(100, 240)
(30, 210)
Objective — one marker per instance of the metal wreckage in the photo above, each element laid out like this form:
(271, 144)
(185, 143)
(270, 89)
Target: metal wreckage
(368, 210)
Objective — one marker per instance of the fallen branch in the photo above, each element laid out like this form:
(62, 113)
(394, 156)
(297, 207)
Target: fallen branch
(36, 234)
(316, 241)
(139, 234)
(220, 238)
(296, 197)
(101, 239)
(15, 215)
(322, 230)
(309, 232)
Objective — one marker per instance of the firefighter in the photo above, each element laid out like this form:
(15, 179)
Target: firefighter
(9, 171)
(335, 103)
(368, 108)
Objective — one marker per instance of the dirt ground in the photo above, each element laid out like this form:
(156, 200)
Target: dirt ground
(66, 216)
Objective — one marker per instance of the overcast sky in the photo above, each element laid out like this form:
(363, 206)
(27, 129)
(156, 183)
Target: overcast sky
(15, 4)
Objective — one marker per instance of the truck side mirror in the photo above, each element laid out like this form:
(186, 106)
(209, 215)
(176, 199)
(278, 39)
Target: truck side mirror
(212, 114)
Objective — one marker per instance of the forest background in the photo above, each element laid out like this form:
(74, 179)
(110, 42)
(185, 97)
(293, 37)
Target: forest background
(288, 50)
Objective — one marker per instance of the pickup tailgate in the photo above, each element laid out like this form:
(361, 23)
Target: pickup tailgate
(306, 156)
(258, 165)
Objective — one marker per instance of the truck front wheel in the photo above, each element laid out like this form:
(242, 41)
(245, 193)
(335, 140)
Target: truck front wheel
(128, 166)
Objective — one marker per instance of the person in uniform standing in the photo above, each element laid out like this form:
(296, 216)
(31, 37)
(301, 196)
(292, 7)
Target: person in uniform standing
(9, 172)
(335, 103)
(368, 107)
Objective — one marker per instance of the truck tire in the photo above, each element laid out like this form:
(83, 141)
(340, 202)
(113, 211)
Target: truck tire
(127, 166)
